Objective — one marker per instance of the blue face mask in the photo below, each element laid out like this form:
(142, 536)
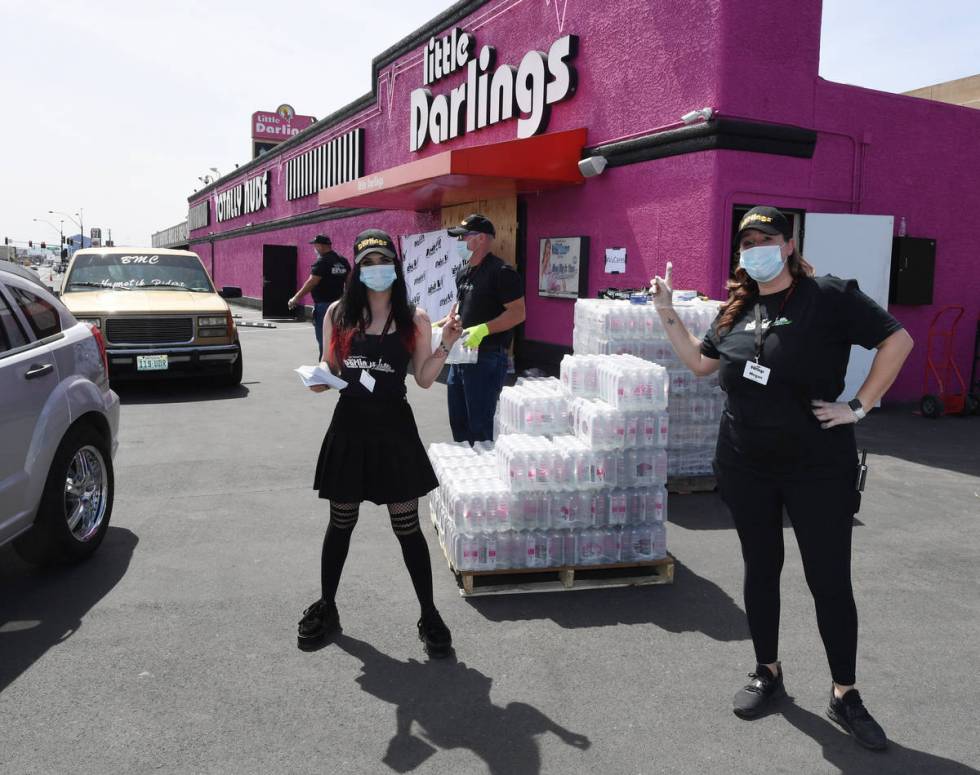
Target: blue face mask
(763, 263)
(379, 277)
(463, 251)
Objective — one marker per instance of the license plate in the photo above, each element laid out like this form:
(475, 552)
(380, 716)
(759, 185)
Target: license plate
(151, 363)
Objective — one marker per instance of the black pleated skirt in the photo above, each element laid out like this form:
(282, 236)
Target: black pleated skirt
(372, 452)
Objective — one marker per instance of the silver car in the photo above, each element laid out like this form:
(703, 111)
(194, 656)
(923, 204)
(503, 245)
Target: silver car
(58, 425)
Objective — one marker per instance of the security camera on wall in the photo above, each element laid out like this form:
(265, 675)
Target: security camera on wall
(592, 166)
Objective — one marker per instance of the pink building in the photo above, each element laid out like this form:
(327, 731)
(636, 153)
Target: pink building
(624, 71)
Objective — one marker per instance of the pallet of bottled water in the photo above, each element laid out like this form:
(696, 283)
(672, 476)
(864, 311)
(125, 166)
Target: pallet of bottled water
(533, 502)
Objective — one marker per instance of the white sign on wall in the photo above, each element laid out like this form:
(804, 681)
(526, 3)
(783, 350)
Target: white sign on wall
(430, 262)
(489, 94)
(249, 196)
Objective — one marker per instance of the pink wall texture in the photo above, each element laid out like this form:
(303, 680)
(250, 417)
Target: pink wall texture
(641, 64)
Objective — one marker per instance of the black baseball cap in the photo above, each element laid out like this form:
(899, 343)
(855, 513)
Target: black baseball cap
(321, 239)
(373, 241)
(767, 220)
(475, 222)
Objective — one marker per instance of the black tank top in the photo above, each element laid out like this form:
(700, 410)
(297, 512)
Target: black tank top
(384, 357)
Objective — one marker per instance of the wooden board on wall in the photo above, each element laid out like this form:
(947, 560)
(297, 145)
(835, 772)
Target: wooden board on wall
(502, 214)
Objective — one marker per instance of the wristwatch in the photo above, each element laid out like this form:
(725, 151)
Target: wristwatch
(857, 408)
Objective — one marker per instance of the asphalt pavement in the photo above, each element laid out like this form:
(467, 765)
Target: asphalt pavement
(173, 649)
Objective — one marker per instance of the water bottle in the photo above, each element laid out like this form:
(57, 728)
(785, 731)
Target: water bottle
(642, 539)
(617, 507)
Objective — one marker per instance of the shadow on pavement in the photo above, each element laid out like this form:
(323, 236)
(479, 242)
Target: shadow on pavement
(39, 607)
(706, 511)
(176, 391)
(451, 707)
(851, 759)
(949, 442)
(691, 604)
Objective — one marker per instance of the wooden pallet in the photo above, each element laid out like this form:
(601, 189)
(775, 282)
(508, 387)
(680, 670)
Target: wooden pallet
(685, 485)
(511, 581)
(564, 579)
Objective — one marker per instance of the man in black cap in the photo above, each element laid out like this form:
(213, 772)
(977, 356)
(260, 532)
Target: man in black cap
(326, 282)
(490, 302)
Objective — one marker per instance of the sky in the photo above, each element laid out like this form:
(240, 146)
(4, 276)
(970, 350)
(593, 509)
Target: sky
(116, 107)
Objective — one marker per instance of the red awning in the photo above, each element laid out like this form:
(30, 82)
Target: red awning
(468, 174)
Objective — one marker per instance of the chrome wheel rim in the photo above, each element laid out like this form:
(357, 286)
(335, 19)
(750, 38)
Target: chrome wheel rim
(86, 493)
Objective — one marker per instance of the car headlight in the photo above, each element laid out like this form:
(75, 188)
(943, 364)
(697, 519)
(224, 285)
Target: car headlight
(91, 321)
(213, 326)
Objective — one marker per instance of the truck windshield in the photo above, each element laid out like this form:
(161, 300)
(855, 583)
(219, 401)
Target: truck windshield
(144, 271)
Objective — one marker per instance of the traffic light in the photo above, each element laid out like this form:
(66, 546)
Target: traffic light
(44, 246)
(64, 252)
(71, 241)
(6, 240)
(62, 239)
(30, 243)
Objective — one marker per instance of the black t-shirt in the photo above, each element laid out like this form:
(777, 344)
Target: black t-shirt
(332, 269)
(481, 293)
(772, 427)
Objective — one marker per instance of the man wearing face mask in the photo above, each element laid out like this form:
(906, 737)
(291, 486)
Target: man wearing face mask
(490, 302)
(781, 343)
(326, 282)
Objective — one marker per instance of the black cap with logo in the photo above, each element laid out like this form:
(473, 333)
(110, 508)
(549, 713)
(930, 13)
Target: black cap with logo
(373, 241)
(321, 239)
(475, 222)
(767, 220)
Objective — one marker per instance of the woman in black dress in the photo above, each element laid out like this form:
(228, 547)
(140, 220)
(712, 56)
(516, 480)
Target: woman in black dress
(372, 449)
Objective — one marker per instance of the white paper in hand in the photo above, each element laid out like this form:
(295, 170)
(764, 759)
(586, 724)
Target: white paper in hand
(317, 375)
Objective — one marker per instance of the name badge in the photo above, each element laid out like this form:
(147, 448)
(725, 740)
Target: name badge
(368, 381)
(756, 372)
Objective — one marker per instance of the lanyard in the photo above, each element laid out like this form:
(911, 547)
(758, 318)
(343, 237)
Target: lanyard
(760, 336)
(381, 338)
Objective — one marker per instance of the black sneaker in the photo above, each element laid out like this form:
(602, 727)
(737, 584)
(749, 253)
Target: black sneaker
(850, 713)
(434, 633)
(319, 622)
(755, 697)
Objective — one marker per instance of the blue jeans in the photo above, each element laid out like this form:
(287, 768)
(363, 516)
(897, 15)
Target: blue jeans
(319, 313)
(473, 392)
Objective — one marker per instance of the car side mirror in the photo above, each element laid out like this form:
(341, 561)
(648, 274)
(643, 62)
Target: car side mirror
(230, 292)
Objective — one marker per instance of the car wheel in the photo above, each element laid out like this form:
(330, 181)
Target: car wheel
(972, 405)
(931, 406)
(76, 503)
(234, 377)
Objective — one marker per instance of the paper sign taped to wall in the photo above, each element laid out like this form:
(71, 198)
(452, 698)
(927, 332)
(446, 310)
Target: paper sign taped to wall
(615, 260)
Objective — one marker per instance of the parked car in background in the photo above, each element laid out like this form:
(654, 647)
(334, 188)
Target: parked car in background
(58, 425)
(158, 311)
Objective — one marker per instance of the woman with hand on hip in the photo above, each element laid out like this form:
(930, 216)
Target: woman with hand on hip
(372, 449)
(781, 343)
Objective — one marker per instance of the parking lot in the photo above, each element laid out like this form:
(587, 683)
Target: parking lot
(174, 650)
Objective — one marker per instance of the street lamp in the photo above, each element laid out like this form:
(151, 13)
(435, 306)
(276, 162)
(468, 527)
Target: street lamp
(60, 230)
(79, 222)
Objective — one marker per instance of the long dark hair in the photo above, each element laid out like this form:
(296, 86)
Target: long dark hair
(743, 290)
(352, 315)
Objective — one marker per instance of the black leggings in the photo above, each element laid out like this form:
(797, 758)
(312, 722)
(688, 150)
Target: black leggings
(822, 513)
(404, 523)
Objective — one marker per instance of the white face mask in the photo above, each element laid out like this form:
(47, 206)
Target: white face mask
(763, 263)
(464, 252)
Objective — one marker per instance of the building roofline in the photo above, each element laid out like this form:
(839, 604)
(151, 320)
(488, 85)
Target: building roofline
(406, 45)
